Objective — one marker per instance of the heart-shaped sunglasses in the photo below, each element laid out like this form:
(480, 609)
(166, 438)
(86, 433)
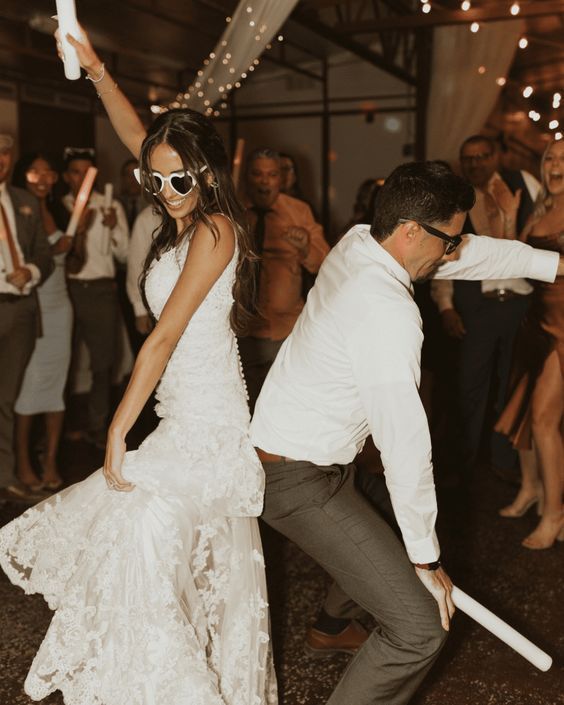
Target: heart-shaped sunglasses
(181, 182)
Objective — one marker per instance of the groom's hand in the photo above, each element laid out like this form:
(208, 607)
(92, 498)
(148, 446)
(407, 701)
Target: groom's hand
(440, 586)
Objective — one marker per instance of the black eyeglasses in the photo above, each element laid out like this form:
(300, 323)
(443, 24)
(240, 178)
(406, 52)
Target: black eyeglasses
(478, 158)
(453, 241)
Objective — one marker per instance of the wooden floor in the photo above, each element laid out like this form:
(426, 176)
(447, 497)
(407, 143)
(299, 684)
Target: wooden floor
(482, 554)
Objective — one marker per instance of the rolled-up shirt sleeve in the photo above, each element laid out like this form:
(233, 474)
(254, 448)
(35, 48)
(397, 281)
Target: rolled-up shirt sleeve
(385, 353)
(483, 257)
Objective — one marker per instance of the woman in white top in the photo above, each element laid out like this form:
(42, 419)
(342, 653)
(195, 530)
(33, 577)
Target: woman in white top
(46, 374)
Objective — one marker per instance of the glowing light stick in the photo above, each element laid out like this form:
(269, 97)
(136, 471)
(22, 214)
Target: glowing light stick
(108, 198)
(81, 200)
(501, 629)
(68, 24)
(237, 161)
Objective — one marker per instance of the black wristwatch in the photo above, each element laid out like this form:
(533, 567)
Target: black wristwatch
(433, 565)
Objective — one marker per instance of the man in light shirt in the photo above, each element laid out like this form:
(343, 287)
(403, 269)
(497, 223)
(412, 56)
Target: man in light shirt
(291, 246)
(25, 261)
(102, 235)
(350, 368)
(484, 316)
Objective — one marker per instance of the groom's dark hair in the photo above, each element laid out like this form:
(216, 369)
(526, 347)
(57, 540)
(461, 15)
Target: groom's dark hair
(426, 192)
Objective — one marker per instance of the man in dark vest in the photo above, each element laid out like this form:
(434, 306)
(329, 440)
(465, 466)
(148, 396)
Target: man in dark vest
(485, 316)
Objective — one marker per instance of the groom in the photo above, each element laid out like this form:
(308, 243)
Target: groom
(350, 368)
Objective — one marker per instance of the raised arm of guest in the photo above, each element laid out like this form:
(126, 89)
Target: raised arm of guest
(123, 117)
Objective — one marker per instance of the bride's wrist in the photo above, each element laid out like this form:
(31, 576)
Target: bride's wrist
(116, 433)
(95, 71)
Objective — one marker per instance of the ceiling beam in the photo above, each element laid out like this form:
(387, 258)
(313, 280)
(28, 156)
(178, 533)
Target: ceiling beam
(361, 50)
(436, 18)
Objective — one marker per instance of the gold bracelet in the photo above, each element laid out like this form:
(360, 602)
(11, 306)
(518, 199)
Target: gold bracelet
(110, 90)
(100, 77)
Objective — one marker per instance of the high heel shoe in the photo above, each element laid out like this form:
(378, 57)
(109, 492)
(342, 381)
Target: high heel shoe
(545, 537)
(515, 510)
(53, 485)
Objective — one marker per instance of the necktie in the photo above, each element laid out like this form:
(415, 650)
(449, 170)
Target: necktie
(10, 239)
(259, 233)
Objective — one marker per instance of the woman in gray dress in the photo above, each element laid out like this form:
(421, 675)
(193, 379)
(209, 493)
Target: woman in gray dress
(46, 374)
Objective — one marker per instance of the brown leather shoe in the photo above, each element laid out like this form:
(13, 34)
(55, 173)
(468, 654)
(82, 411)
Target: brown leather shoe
(319, 644)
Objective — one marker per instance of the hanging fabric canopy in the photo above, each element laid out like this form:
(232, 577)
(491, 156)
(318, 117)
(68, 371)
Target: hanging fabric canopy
(467, 75)
(248, 33)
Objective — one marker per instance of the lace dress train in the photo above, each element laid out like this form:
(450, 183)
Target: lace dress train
(159, 594)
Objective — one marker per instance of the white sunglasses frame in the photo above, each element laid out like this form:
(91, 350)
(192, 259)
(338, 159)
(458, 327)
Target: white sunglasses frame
(168, 179)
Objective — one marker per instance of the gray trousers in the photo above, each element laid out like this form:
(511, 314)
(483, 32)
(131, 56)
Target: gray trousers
(321, 510)
(18, 329)
(96, 315)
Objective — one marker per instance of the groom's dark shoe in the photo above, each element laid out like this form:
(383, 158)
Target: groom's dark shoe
(320, 644)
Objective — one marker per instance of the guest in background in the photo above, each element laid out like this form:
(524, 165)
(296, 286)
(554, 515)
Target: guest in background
(289, 242)
(536, 407)
(25, 261)
(93, 290)
(485, 316)
(130, 195)
(363, 208)
(46, 374)
(142, 234)
(131, 198)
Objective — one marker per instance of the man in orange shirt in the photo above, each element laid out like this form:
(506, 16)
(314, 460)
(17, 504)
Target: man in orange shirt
(290, 244)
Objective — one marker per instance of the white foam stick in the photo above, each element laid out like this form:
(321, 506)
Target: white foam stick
(501, 629)
(68, 24)
(108, 198)
(81, 199)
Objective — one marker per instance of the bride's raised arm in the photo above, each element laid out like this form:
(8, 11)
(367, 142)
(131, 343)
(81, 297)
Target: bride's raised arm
(123, 117)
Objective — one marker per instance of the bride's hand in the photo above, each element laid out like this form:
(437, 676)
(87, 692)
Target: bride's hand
(115, 452)
(87, 57)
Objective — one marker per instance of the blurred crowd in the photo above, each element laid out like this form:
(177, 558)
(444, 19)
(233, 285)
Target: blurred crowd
(73, 316)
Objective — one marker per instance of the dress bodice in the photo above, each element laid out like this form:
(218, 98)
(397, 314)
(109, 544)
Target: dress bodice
(204, 371)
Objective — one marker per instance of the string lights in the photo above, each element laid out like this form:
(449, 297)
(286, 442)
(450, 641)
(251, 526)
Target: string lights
(247, 34)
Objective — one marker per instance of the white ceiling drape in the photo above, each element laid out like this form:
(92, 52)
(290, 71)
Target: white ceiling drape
(251, 28)
(461, 98)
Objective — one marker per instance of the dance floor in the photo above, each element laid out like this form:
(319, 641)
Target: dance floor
(482, 554)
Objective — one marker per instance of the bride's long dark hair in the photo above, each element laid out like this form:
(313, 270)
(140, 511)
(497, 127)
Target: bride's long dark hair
(197, 142)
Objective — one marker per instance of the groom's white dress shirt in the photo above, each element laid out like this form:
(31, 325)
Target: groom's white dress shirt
(351, 367)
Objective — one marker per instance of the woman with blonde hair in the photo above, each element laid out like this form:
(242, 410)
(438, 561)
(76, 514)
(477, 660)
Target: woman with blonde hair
(535, 411)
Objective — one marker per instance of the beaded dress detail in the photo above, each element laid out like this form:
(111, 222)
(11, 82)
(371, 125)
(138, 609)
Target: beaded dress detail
(159, 594)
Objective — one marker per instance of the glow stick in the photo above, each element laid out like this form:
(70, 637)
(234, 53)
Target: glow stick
(68, 24)
(237, 161)
(81, 200)
(108, 198)
(501, 629)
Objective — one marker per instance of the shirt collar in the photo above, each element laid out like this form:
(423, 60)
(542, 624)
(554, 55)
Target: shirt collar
(375, 251)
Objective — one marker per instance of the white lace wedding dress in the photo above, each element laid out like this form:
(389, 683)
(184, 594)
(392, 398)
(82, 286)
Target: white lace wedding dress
(159, 594)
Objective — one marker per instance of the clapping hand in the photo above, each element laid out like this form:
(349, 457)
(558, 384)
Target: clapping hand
(507, 201)
(109, 218)
(19, 277)
(299, 238)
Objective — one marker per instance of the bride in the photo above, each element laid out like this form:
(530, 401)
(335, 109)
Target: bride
(153, 565)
